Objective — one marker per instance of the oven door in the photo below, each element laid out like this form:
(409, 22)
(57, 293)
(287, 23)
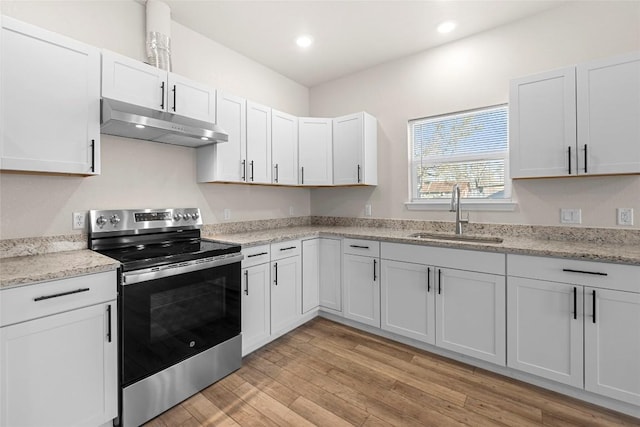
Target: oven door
(173, 313)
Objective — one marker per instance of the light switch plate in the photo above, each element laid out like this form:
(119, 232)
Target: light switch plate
(570, 216)
(625, 216)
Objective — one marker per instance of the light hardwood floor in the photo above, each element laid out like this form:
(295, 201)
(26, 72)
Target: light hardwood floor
(327, 374)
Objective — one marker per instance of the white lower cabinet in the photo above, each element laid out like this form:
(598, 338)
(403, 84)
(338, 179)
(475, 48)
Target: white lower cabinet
(285, 293)
(310, 274)
(576, 322)
(330, 292)
(545, 329)
(612, 344)
(59, 369)
(470, 314)
(256, 307)
(408, 300)
(362, 289)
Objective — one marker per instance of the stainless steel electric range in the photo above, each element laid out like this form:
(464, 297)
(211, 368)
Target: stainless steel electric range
(178, 304)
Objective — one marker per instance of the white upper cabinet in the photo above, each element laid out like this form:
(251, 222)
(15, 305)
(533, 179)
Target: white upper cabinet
(127, 80)
(577, 121)
(315, 151)
(258, 143)
(355, 146)
(49, 102)
(609, 115)
(284, 148)
(226, 161)
(542, 124)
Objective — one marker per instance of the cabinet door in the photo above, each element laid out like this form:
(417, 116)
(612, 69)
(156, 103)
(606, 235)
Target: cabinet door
(284, 148)
(362, 289)
(310, 274)
(408, 302)
(225, 161)
(608, 115)
(612, 344)
(60, 370)
(127, 80)
(348, 135)
(191, 99)
(470, 314)
(315, 152)
(256, 307)
(49, 101)
(545, 329)
(258, 143)
(542, 125)
(330, 274)
(285, 293)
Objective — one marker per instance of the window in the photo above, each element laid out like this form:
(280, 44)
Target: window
(468, 148)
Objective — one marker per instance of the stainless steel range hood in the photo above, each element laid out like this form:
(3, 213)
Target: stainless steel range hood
(131, 121)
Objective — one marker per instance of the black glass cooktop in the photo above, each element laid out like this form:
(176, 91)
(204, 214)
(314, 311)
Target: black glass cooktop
(152, 254)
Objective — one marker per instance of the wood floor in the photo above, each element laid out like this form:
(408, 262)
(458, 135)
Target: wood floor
(327, 374)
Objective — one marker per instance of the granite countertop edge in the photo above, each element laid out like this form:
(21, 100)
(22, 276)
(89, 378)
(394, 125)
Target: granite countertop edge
(582, 251)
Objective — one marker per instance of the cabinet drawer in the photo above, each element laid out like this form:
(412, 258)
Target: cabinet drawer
(44, 299)
(587, 273)
(362, 247)
(285, 249)
(255, 255)
(459, 259)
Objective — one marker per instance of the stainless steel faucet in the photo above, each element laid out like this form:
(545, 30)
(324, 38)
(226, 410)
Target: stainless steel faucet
(455, 207)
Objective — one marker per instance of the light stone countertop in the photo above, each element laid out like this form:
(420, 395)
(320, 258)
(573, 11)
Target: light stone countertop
(25, 270)
(579, 250)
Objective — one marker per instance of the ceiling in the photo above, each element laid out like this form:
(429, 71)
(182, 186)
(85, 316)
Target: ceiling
(349, 36)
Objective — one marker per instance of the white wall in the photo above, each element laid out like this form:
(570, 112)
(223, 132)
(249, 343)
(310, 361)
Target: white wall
(139, 174)
(471, 73)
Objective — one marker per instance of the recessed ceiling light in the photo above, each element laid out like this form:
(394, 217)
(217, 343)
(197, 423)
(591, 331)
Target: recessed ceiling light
(304, 41)
(140, 126)
(446, 27)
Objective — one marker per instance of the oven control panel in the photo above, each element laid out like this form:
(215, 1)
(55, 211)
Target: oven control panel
(143, 219)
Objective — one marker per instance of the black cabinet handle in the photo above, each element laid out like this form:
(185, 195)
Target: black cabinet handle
(261, 253)
(174, 98)
(359, 247)
(594, 306)
(276, 278)
(276, 166)
(302, 172)
(162, 101)
(428, 279)
(595, 273)
(374, 269)
(244, 170)
(246, 282)
(569, 160)
(439, 281)
(93, 155)
(575, 302)
(251, 163)
(63, 294)
(288, 249)
(358, 174)
(109, 323)
(585, 158)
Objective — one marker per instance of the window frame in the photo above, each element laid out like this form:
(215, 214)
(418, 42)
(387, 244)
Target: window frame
(503, 204)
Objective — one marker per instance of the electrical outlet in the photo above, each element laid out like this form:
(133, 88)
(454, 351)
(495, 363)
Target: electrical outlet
(226, 214)
(79, 220)
(367, 210)
(625, 216)
(570, 216)
(290, 210)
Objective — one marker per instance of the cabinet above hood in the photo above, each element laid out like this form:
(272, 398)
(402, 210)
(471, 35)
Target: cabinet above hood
(131, 121)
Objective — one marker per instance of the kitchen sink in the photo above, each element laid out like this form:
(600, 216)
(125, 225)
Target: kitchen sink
(457, 237)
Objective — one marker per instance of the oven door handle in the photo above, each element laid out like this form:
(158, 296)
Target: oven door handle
(131, 277)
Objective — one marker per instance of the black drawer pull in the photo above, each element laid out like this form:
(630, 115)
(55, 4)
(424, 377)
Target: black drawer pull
(288, 249)
(162, 100)
(77, 291)
(246, 282)
(93, 155)
(275, 280)
(374, 270)
(428, 279)
(595, 273)
(569, 157)
(359, 247)
(575, 303)
(109, 323)
(259, 254)
(594, 306)
(439, 281)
